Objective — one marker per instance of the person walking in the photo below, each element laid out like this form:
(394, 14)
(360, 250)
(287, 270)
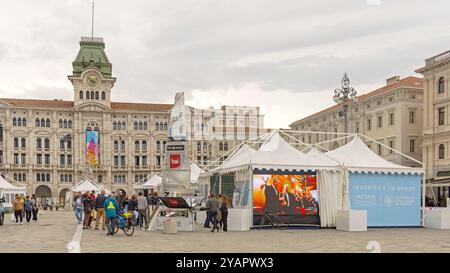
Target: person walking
(219, 212)
(79, 207)
(112, 211)
(212, 205)
(92, 215)
(100, 209)
(142, 209)
(87, 209)
(28, 206)
(35, 207)
(208, 216)
(18, 209)
(224, 209)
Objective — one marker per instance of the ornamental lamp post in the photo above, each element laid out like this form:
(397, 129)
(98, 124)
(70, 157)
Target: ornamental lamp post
(344, 96)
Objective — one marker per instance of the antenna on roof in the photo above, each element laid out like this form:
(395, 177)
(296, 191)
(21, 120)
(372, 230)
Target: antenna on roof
(92, 30)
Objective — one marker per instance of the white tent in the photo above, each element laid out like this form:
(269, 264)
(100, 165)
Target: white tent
(239, 160)
(196, 171)
(154, 181)
(87, 185)
(357, 157)
(9, 191)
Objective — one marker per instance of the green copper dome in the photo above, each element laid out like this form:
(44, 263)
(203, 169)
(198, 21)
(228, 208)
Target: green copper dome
(92, 55)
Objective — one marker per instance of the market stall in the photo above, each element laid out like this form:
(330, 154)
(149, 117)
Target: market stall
(390, 193)
(8, 191)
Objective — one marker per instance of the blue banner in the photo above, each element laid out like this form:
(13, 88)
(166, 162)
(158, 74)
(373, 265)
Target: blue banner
(390, 199)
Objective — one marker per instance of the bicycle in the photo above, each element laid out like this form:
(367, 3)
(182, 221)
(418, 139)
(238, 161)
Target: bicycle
(274, 220)
(125, 223)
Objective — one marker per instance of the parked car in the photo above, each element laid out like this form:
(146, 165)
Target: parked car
(2, 211)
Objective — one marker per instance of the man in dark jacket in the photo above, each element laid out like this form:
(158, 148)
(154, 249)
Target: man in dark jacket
(98, 205)
(212, 205)
(132, 208)
(87, 209)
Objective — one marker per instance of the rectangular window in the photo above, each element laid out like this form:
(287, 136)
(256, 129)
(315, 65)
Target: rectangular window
(379, 121)
(369, 124)
(391, 145)
(116, 161)
(16, 158)
(441, 115)
(412, 117)
(136, 161)
(158, 161)
(62, 160)
(412, 145)
(144, 160)
(23, 158)
(47, 159)
(69, 159)
(39, 159)
(391, 118)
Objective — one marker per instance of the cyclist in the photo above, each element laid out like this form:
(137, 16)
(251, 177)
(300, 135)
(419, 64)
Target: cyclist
(112, 211)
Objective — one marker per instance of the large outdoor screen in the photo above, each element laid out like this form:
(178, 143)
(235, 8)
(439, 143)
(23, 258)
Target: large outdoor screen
(292, 197)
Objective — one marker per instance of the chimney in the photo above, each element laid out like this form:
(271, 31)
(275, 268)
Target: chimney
(392, 80)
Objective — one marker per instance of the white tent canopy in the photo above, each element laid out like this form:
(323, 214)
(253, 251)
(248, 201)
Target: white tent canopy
(6, 186)
(87, 185)
(196, 171)
(154, 181)
(357, 157)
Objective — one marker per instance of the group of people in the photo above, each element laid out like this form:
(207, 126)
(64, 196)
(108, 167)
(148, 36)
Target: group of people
(25, 207)
(89, 207)
(217, 212)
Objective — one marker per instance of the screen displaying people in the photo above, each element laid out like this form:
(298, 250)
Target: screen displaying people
(292, 197)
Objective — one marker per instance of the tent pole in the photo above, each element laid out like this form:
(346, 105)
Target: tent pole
(423, 201)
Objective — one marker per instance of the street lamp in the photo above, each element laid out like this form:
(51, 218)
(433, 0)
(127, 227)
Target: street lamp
(343, 96)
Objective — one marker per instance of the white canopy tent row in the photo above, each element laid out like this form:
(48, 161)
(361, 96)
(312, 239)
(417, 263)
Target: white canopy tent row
(85, 185)
(337, 175)
(8, 191)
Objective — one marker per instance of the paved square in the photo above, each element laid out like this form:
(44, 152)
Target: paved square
(56, 228)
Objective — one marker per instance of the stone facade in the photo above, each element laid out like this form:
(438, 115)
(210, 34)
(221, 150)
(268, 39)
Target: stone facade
(391, 115)
(436, 119)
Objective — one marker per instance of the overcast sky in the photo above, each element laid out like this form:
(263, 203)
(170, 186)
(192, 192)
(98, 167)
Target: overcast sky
(286, 56)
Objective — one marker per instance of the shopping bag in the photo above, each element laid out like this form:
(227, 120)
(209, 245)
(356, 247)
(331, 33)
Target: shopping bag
(13, 219)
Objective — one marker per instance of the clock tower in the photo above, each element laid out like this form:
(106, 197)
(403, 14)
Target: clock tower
(92, 76)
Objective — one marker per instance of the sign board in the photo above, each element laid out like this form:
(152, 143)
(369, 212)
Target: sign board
(176, 167)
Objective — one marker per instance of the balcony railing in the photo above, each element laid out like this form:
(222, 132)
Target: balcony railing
(92, 39)
(438, 58)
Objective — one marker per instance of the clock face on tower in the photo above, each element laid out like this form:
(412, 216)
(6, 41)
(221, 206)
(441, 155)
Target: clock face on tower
(92, 79)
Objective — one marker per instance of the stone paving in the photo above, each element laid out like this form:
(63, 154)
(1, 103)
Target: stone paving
(56, 228)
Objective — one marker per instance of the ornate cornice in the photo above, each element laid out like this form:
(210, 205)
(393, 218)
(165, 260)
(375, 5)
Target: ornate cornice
(92, 107)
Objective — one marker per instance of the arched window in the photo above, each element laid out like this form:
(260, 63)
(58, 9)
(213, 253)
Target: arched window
(124, 127)
(122, 145)
(70, 124)
(136, 146)
(47, 123)
(158, 146)
(15, 177)
(92, 95)
(60, 123)
(144, 146)
(116, 145)
(42, 177)
(164, 145)
(61, 144)
(165, 126)
(37, 122)
(199, 146)
(135, 124)
(81, 94)
(61, 178)
(38, 143)
(16, 142)
(38, 177)
(47, 143)
(69, 144)
(48, 177)
(70, 178)
(19, 122)
(24, 122)
(66, 178)
(103, 96)
(205, 146)
(97, 95)
(156, 126)
(145, 125)
(65, 123)
(23, 143)
(14, 121)
(24, 177)
(42, 122)
(161, 126)
(441, 151)
(114, 125)
(87, 95)
(140, 125)
(441, 85)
